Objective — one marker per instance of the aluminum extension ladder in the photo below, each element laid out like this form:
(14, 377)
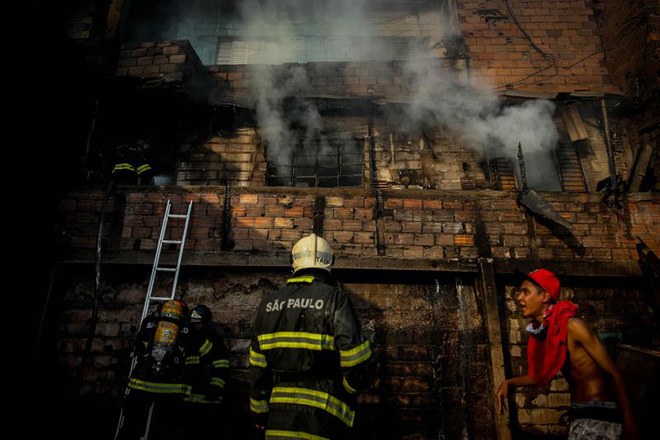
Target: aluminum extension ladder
(156, 268)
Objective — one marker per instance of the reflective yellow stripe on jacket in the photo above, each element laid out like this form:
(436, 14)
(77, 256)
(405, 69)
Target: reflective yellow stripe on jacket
(206, 348)
(192, 360)
(221, 363)
(159, 388)
(316, 399)
(257, 359)
(142, 168)
(201, 398)
(123, 166)
(218, 382)
(309, 341)
(355, 356)
(258, 406)
(276, 433)
(305, 279)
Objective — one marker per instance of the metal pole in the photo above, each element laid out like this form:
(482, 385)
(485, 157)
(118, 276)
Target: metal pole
(521, 162)
(608, 144)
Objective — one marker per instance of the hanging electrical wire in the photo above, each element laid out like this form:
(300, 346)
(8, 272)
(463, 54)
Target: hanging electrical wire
(633, 23)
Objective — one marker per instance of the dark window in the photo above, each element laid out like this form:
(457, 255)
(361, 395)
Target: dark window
(570, 168)
(502, 174)
(327, 163)
(560, 170)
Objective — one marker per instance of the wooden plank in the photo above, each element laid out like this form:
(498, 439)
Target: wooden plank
(568, 124)
(572, 119)
(577, 122)
(488, 293)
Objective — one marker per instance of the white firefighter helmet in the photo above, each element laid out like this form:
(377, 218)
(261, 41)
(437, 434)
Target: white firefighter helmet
(311, 252)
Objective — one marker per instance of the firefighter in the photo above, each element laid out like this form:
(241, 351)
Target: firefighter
(308, 356)
(143, 170)
(207, 367)
(131, 166)
(123, 171)
(157, 379)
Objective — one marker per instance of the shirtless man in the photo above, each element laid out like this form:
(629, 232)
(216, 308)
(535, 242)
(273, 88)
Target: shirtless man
(559, 340)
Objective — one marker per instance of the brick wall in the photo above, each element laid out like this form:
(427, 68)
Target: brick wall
(436, 159)
(164, 60)
(433, 369)
(418, 224)
(566, 31)
(431, 375)
(345, 79)
(630, 32)
(234, 157)
(325, 41)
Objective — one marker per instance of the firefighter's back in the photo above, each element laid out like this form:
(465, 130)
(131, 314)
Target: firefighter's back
(307, 353)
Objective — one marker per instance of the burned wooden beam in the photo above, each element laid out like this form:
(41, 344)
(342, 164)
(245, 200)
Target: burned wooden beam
(533, 200)
(227, 240)
(319, 215)
(572, 119)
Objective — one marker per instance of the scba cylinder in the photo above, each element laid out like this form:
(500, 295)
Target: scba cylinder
(168, 325)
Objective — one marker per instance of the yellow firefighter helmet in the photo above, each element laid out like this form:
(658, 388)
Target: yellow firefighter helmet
(311, 252)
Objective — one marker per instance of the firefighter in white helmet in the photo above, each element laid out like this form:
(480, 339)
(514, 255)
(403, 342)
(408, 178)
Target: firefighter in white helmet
(308, 356)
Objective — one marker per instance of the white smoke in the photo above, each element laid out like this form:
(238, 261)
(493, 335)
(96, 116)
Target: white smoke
(476, 114)
(282, 31)
(287, 31)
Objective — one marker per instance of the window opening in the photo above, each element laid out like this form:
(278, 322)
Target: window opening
(323, 163)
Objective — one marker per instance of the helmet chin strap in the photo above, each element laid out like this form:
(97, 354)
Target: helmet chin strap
(316, 240)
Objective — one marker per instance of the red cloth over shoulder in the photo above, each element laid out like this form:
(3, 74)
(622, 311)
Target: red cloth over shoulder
(546, 355)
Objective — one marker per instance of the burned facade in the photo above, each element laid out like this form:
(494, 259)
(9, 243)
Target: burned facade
(392, 129)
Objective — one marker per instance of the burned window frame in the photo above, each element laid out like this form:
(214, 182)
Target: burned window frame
(290, 173)
(564, 166)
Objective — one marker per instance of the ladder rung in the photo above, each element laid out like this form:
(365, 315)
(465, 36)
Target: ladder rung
(172, 241)
(177, 216)
(166, 269)
(166, 298)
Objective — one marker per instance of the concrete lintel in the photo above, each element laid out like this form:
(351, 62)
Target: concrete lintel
(344, 262)
(574, 268)
(275, 260)
(423, 194)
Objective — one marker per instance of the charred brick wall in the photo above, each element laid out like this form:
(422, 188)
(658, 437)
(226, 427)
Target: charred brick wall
(233, 157)
(365, 78)
(432, 160)
(164, 60)
(431, 374)
(429, 332)
(420, 224)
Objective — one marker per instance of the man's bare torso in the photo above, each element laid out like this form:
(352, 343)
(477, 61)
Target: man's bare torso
(587, 380)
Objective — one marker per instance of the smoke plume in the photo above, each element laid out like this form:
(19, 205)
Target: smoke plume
(287, 31)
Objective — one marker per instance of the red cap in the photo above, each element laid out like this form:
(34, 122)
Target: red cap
(547, 280)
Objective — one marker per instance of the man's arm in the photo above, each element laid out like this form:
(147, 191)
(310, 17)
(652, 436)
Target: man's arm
(503, 390)
(580, 332)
